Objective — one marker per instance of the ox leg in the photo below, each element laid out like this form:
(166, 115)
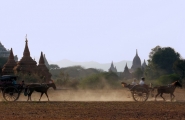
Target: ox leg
(156, 96)
(47, 95)
(173, 96)
(30, 94)
(28, 98)
(162, 96)
(41, 96)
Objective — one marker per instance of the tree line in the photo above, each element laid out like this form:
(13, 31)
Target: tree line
(165, 65)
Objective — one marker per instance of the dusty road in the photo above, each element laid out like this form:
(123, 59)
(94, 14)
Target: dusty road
(93, 105)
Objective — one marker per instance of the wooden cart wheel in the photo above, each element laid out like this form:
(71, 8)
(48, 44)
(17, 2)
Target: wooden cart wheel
(140, 94)
(11, 93)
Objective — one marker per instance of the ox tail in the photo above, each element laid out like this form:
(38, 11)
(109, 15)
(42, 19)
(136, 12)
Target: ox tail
(25, 91)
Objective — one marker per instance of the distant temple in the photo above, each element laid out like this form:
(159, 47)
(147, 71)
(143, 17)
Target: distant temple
(144, 65)
(127, 73)
(5, 53)
(42, 69)
(26, 65)
(136, 63)
(112, 68)
(46, 62)
(10, 64)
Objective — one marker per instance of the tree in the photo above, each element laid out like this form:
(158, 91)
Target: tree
(154, 50)
(161, 62)
(138, 73)
(167, 79)
(179, 68)
(63, 79)
(54, 66)
(100, 81)
(165, 58)
(3, 60)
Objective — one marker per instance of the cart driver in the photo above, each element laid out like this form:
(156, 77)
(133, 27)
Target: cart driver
(14, 81)
(134, 82)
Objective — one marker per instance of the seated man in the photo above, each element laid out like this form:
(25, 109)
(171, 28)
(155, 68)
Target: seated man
(142, 81)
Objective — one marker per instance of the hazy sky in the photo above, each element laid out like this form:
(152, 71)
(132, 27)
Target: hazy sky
(92, 30)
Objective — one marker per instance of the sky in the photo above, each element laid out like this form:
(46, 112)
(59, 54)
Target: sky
(92, 30)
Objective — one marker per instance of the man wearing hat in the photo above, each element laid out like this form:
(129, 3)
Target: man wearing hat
(142, 81)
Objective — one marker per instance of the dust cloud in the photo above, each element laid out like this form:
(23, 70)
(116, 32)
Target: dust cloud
(94, 95)
(80, 95)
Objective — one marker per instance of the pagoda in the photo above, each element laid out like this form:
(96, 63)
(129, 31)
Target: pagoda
(144, 65)
(46, 62)
(112, 68)
(9, 65)
(26, 63)
(136, 63)
(126, 73)
(42, 70)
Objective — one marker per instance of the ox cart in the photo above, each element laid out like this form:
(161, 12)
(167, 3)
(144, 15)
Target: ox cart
(10, 91)
(140, 93)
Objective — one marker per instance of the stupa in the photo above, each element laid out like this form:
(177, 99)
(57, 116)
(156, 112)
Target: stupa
(26, 63)
(9, 65)
(42, 70)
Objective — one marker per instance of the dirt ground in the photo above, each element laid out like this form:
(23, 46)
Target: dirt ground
(93, 105)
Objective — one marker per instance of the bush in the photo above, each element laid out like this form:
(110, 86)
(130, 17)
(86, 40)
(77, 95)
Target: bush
(104, 80)
(33, 78)
(167, 79)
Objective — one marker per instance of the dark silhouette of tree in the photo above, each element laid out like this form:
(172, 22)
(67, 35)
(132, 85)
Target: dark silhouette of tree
(161, 62)
(3, 60)
(164, 58)
(138, 73)
(179, 68)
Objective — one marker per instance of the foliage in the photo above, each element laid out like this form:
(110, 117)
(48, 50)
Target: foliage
(54, 66)
(74, 72)
(179, 68)
(167, 79)
(62, 79)
(152, 72)
(3, 60)
(165, 58)
(161, 62)
(138, 73)
(103, 80)
(154, 50)
(33, 78)
(91, 82)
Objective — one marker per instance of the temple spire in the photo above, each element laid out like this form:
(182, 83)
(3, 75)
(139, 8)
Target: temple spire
(136, 53)
(26, 49)
(126, 66)
(41, 60)
(11, 56)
